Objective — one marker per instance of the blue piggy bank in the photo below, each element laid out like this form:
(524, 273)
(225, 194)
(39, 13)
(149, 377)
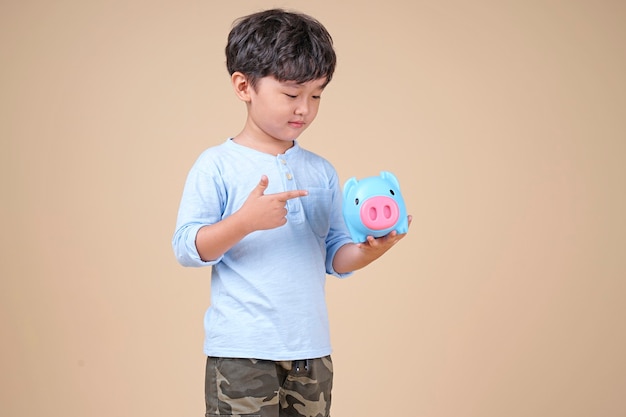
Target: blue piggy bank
(374, 206)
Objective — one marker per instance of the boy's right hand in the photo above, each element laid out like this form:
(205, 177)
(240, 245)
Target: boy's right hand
(267, 211)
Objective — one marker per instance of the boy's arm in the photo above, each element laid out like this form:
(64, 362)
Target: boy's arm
(355, 256)
(259, 212)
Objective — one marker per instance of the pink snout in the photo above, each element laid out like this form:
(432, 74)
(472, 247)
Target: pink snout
(378, 213)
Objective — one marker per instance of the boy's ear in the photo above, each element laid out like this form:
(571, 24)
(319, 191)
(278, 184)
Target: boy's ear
(241, 85)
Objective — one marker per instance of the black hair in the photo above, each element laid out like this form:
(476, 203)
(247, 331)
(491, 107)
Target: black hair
(289, 46)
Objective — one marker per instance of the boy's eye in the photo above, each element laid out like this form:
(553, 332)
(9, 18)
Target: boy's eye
(296, 96)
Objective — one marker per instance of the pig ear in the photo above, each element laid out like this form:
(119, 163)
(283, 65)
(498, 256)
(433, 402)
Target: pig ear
(386, 175)
(350, 184)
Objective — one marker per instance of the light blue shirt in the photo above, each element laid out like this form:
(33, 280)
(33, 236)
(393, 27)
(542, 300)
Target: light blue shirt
(267, 291)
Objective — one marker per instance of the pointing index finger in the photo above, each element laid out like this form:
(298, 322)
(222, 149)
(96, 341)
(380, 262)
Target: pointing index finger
(288, 195)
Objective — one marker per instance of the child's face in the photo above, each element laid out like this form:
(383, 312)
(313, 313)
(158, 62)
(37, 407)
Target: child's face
(282, 110)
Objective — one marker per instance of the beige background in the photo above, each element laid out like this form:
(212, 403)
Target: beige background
(505, 122)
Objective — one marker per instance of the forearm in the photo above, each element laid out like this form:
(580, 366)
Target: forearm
(212, 241)
(349, 258)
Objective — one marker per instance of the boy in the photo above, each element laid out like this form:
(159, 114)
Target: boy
(266, 215)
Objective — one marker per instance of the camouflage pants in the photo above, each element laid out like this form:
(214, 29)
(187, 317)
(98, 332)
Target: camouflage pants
(260, 388)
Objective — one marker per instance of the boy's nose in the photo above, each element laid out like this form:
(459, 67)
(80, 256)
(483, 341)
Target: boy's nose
(302, 108)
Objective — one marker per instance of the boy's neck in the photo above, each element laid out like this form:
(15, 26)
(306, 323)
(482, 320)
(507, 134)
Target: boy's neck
(275, 147)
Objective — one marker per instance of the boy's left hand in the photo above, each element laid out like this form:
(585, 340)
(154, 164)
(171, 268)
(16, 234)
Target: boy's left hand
(353, 256)
(376, 247)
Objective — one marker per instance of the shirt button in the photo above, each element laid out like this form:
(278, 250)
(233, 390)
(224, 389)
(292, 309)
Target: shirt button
(289, 177)
(282, 161)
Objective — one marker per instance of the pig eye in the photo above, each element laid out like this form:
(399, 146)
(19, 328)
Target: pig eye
(392, 193)
(356, 201)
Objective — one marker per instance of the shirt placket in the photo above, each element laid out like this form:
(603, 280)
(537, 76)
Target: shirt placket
(294, 205)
